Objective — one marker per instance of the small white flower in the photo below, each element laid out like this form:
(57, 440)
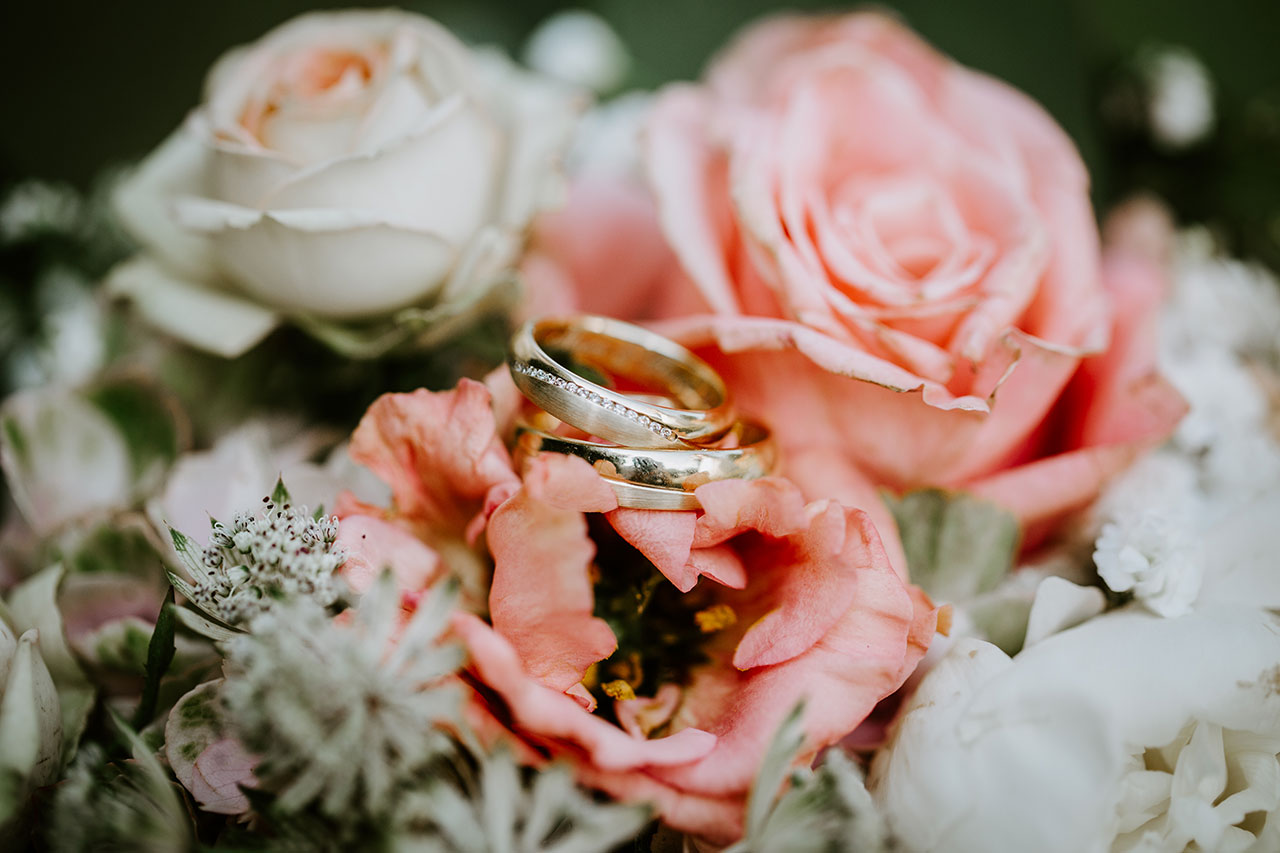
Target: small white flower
(1180, 107)
(578, 47)
(36, 206)
(1219, 302)
(1152, 556)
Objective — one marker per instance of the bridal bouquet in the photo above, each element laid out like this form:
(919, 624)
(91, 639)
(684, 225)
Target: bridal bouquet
(412, 454)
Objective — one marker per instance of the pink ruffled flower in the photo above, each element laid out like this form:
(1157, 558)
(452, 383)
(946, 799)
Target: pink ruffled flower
(898, 267)
(797, 601)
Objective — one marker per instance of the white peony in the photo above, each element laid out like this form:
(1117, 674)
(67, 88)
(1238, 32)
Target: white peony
(1039, 752)
(344, 166)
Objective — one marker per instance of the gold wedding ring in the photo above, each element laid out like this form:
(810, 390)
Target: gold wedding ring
(646, 478)
(628, 352)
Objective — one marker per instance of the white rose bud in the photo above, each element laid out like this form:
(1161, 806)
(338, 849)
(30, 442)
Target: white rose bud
(30, 721)
(346, 165)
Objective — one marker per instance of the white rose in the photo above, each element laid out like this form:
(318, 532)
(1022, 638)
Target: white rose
(345, 166)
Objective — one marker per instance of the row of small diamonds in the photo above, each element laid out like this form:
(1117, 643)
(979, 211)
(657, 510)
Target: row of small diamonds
(592, 397)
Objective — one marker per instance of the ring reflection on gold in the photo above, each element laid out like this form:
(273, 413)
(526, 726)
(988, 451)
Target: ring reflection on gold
(658, 478)
(620, 349)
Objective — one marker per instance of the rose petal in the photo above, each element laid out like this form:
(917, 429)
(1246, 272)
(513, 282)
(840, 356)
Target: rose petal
(440, 181)
(680, 163)
(212, 320)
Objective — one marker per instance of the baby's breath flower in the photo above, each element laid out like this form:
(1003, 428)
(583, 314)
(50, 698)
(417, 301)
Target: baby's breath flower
(343, 713)
(1151, 556)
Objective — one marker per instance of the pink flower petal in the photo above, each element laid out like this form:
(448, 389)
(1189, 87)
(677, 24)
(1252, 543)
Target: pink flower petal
(664, 538)
(218, 774)
(373, 545)
(547, 715)
(439, 452)
(569, 483)
(541, 598)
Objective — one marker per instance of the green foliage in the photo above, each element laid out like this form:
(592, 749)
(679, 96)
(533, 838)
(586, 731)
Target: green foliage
(159, 655)
(957, 546)
(803, 810)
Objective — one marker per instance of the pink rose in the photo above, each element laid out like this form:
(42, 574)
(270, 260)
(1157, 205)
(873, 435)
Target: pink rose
(770, 601)
(899, 269)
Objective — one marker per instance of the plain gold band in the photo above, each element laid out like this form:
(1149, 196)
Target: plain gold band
(679, 471)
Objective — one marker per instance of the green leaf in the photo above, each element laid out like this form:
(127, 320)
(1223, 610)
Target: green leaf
(159, 656)
(957, 545)
(280, 495)
(773, 770)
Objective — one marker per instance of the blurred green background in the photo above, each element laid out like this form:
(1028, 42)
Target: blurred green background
(92, 84)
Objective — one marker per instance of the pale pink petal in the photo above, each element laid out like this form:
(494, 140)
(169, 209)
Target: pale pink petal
(720, 563)
(219, 772)
(583, 697)
(439, 451)
(1122, 407)
(664, 538)
(640, 716)
(863, 658)
(604, 253)
(716, 818)
(691, 192)
(549, 716)
(373, 546)
(569, 483)
(813, 585)
(541, 598)
(771, 505)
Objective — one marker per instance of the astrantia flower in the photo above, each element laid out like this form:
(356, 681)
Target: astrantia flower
(342, 713)
(259, 560)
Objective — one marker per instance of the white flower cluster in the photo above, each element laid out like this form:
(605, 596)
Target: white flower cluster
(1220, 340)
(343, 714)
(1149, 543)
(260, 560)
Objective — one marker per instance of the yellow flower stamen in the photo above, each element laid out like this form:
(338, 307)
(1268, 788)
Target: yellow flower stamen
(618, 689)
(716, 618)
